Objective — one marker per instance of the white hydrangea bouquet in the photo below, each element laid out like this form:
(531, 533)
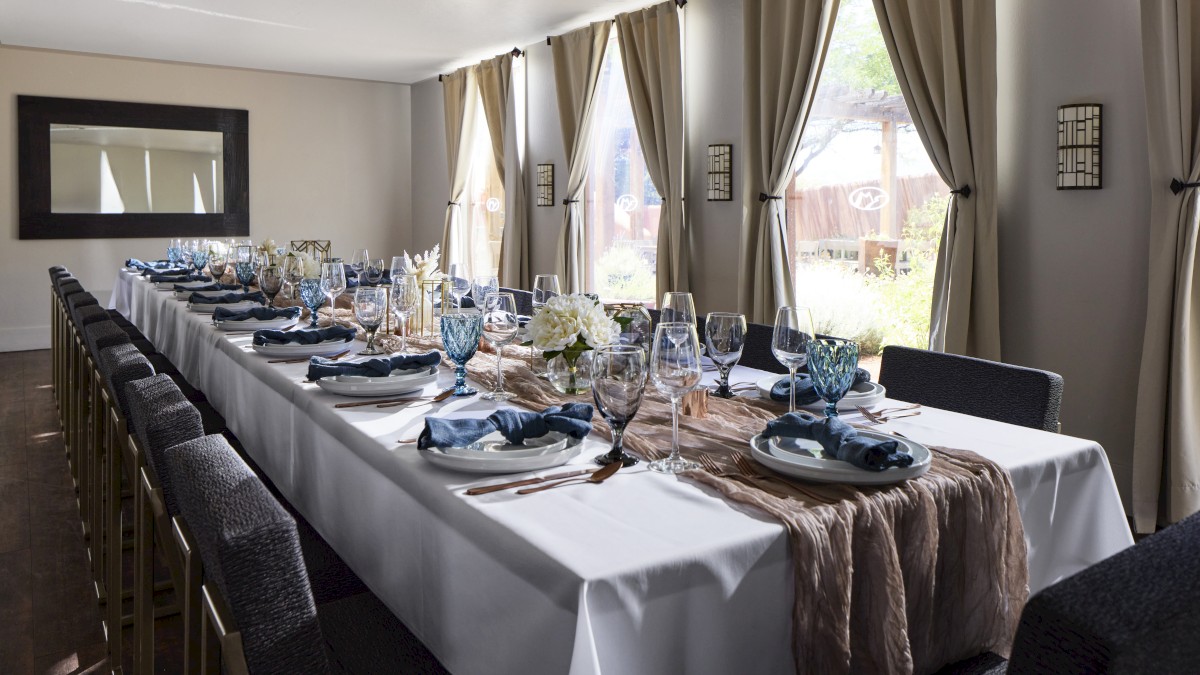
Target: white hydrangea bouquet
(568, 326)
(312, 266)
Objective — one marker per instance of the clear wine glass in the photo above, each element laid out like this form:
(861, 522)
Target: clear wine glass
(333, 283)
(270, 280)
(460, 282)
(293, 272)
(218, 260)
(397, 267)
(370, 307)
(618, 384)
(677, 308)
(313, 297)
(374, 271)
(724, 338)
(482, 285)
(461, 330)
(789, 343)
(358, 261)
(545, 286)
(185, 252)
(406, 294)
(499, 328)
(675, 370)
(832, 363)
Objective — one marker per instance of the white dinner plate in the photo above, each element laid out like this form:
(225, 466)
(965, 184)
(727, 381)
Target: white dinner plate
(867, 394)
(293, 350)
(209, 308)
(255, 324)
(805, 459)
(498, 446)
(461, 459)
(392, 385)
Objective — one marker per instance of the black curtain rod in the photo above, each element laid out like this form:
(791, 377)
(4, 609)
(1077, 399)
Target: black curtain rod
(678, 3)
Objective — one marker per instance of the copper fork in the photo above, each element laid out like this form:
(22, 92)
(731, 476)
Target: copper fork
(748, 469)
(709, 465)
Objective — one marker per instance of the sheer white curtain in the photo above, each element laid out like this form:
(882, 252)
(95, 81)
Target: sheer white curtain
(1166, 444)
(578, 56)
(503, 105)
(785, 45)
(944, 54)
(460, 91)
(651, 54)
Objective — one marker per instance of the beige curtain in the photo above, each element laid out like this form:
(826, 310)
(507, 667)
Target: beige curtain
(1166, 447)
(651, 51)
(503, 105)
(944, 54)
(785, 45)
(459, 90)
(577, 59)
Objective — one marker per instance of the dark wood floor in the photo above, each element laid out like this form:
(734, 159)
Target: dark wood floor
(49, 620)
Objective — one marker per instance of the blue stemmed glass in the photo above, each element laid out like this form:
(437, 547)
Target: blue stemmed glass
(312, 296)
(461, 331)
(831, 364)
(200, 258)
(245, 273)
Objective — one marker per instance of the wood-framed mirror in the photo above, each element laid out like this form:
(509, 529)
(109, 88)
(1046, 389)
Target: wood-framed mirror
(107, 169)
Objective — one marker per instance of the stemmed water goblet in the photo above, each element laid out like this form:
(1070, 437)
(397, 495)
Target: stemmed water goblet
(618, 384)
(313, 297)
(482, 285)
(724, 337)
(293, 272)
(460, 282)
(243, 266)
(373, 272)
(675, 370)
(333, 282)
(218, 260)
(397, 267)
(406, 294)
(358, 262)
(185, 253)
(832, 363)
(270, 280)
(789, 343)
(499, 328)
(174, 251)
(370, 306)
(200, 256)
(677, 307)
(461, 330)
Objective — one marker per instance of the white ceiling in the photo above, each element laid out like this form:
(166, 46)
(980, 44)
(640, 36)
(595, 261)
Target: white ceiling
(386, 40)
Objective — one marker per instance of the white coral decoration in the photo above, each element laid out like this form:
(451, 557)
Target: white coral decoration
(569, 319)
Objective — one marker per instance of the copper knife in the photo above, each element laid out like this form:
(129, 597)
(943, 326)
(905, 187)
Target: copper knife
(528, 481)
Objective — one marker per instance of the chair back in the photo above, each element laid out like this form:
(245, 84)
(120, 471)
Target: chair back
(756, 353)
(252, 560)
(1134, 612)
(69, 288)
(121, 364)
(161, 417)
(88, 315)
(79, 301)
(997, 391)
(57, 270)
(524, 300)
(102, 334)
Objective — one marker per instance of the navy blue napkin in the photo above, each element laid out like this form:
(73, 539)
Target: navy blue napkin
(257, 313)
(152, 265)
(179, 288)
(226, 298)
(572, 419)
(840, 440)
(806, 393)
(147, 271)
(379, 366)
(352, 280)
(311, 336)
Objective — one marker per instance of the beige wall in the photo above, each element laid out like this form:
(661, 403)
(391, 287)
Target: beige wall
(329, 158)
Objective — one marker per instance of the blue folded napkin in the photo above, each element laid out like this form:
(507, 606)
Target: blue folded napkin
(177, 276)
(572, 419)
(152, 265)
(379, 366)
(226, 298)
(806, 393)
(840, 440)
(256, 313)
(179, 288)
(352, 280)
(311, 336)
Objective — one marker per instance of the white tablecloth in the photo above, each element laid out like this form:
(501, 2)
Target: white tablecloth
(646, 574)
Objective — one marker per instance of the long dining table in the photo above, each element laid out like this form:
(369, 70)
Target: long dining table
(644, 574)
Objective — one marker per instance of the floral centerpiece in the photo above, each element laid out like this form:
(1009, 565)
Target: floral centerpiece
(312, 266)
(567, 327)
(425, 268)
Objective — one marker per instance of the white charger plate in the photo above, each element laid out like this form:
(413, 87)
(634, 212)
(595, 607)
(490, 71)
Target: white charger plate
(210, 308)
(293, 350)
(805, 459)
(867, 394)
(380, 386)
(461, 459)
(255, 324)
(499, 447)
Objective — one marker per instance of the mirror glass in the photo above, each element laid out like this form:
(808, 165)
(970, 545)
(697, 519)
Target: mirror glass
(100, 169)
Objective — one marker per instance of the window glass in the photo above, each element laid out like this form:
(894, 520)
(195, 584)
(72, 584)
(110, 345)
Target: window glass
(483, 210)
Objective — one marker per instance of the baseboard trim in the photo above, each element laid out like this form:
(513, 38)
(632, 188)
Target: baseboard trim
(25, 338)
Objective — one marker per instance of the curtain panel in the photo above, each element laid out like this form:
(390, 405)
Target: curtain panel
(503, 105)
(651, 52)
(459, 90)
(1166, 448)
(578, 56)
(785, 45)
(944, 55)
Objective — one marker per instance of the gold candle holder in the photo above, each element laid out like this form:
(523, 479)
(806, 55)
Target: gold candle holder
(428, 319)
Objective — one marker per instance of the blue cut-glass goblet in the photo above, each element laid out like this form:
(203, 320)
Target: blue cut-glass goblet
(461, 331)
(245, 274)
(832, 363)
(312, 296)
(199, 260)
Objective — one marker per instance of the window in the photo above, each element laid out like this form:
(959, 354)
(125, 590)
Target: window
(483, 210)
(865, 207)
(622, 204)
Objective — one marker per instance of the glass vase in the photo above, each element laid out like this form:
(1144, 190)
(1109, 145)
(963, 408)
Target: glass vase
(571, 372)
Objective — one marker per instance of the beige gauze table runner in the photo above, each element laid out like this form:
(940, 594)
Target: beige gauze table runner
(902, 578)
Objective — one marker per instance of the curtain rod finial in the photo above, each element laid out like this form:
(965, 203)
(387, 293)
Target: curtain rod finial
(516, 52)
(547, 40)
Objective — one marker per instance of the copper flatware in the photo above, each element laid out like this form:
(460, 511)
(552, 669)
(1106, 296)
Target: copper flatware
(597, 478)
(889, 418)
(871, 417)
(377, 401)
(405, 441)
(529, 481)
(436, 399)
(713, 468)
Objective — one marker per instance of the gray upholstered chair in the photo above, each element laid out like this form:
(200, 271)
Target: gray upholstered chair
(997, 391)
(103, 334)
(88, 314)
(524, 300)
(57, 271)
(69, 288)
(256, 591)
(120, 365)
(79, 300)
